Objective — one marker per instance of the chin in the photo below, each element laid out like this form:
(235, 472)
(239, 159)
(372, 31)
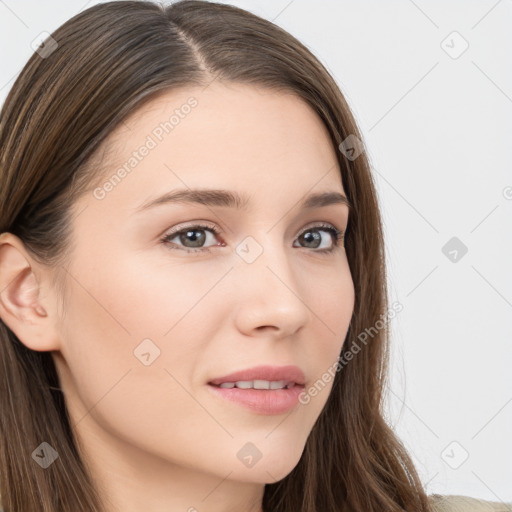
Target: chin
(269, 469)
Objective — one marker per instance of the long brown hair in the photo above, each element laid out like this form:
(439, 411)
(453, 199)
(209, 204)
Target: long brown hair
(108, 61)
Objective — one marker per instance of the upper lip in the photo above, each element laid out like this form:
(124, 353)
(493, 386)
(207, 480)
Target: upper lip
(288, 373)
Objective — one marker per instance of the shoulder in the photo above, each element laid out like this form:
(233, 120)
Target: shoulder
(457, 503)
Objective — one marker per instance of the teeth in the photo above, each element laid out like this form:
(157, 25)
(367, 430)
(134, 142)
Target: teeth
(227, 385)
(258, 384)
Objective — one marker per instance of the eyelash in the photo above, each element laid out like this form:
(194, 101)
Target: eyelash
(338, 235)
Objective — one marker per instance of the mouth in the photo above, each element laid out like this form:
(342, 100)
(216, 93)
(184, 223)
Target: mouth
(257, 384)
(264, 389)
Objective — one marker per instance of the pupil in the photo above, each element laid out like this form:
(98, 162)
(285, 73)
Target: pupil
(197, 241)
(311, 236)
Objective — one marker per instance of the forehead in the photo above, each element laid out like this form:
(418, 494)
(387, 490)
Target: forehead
(235, 136)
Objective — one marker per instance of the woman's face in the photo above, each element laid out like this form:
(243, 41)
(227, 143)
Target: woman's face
(149, 323)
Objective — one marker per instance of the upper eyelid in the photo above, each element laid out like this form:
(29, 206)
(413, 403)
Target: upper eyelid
(205, 225)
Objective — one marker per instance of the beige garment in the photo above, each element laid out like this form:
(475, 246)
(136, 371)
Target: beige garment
(458, 503)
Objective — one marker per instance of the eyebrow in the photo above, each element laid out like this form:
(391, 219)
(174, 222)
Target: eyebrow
(230, 199)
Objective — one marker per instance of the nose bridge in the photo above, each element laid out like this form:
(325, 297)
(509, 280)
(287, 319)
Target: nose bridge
(266, 258)
(272, 294)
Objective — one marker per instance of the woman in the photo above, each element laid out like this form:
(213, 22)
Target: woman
(186, 214)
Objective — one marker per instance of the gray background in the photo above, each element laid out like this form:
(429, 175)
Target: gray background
(436, 126)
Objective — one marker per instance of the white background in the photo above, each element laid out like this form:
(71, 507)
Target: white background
(437, 130)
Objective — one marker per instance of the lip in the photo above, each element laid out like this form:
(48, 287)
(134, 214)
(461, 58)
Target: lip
(260, 401)
(290, 373)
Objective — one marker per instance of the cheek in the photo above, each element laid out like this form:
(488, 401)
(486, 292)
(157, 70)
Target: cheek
(108, 318)
(118, 318)
(331, 303)
(136, 331)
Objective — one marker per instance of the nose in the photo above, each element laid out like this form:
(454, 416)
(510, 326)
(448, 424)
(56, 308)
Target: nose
(271, 296)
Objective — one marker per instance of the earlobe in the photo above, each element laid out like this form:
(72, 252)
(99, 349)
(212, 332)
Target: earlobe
(21, 308)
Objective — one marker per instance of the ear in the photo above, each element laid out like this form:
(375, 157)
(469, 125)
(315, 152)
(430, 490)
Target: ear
(21, 306)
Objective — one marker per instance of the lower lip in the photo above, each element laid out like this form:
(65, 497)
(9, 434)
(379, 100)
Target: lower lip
(262, 401)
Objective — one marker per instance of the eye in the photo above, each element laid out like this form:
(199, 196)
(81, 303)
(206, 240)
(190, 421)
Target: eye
(192, 239)
(311, 236)
(193, 235)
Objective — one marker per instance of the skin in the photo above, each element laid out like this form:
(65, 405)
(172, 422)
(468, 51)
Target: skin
(153, 435)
